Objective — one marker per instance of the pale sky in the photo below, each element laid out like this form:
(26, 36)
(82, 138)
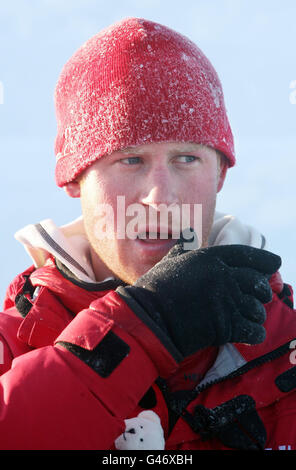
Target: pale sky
(252, 46)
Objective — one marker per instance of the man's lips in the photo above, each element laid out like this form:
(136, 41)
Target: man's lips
(159, 247)
(154, 236)
(154, 233)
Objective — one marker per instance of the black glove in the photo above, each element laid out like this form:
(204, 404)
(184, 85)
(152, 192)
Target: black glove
(205, 297)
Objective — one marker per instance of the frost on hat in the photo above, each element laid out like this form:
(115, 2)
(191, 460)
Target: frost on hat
(136, 82)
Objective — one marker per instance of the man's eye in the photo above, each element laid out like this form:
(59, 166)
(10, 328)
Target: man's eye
(130, 160)
(186, 158)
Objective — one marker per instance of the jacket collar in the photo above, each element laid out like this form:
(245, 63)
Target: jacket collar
(54, 302)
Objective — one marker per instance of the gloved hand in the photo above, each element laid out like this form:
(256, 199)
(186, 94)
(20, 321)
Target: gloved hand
(206, 297)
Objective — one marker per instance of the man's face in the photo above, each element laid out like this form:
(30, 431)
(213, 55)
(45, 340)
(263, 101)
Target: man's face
(170, 174)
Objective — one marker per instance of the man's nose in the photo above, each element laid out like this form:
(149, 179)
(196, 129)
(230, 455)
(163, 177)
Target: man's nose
(159, 188)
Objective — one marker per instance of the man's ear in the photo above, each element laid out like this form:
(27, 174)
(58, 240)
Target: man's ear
(72, 189)
(222, 173)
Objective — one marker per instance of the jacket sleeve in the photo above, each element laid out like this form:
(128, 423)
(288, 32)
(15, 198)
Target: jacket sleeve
(76, 393)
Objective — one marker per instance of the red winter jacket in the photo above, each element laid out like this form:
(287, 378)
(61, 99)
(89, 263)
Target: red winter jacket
(54, 399)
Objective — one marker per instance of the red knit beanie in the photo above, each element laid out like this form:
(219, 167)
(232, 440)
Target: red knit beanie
(136, 82)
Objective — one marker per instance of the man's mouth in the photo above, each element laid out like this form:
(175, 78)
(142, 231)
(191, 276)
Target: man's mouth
(154, 243)
(157, 236)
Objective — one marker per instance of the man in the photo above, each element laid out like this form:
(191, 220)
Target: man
(196, 328)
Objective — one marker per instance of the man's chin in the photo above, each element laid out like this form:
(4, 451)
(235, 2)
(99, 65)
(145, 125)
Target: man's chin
(132, 273)
(144, 259)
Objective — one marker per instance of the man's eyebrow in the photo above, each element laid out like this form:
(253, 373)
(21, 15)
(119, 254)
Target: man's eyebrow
(132, 150)
(184, 147)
